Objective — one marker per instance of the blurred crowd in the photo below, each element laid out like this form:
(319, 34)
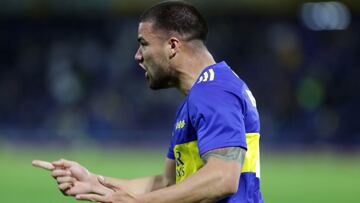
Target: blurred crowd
(76, 78)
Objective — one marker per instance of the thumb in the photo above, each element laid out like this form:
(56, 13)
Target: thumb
(111, 184)
(107, 182)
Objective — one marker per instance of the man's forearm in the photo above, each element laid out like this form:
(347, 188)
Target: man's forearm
(148, 184)
(140, 185)
(209, 184)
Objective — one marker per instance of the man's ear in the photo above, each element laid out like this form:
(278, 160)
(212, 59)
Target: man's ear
(174, 46)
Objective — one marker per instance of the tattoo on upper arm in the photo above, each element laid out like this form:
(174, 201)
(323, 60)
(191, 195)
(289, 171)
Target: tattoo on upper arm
(227, 153)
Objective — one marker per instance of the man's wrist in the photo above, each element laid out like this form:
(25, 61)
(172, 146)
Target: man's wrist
(94, 182)
(143, 198)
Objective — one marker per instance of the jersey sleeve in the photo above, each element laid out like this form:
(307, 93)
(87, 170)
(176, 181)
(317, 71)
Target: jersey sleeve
(170, 153)
(217, 116)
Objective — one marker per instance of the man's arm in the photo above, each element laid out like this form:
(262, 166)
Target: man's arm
(148, 184)
(217, 179)
(75, 179)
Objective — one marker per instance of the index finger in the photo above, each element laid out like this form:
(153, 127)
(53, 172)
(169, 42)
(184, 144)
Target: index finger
(63, 163)
(43, 164)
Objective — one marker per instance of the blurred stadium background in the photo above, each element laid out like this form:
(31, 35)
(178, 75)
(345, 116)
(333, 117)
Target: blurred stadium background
(69, 87)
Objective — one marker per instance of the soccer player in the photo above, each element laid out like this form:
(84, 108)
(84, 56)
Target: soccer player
(214, 150)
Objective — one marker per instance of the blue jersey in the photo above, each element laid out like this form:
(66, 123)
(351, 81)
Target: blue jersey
(219, 111)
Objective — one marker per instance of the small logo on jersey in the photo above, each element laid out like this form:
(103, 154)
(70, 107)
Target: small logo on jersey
(180, 124)
(208, 75)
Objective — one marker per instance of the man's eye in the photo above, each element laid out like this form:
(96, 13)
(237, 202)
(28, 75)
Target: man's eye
(143, 43)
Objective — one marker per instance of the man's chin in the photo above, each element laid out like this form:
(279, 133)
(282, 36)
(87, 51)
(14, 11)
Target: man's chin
(157, 86)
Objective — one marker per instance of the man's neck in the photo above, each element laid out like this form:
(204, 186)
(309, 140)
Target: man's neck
(191, 69)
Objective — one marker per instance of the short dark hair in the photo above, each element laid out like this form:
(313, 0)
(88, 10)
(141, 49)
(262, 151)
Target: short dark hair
(177, 16)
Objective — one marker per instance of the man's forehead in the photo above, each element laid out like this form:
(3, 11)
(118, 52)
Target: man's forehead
(146, 30)
(145, 27)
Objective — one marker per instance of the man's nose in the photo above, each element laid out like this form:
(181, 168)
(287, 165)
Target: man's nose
(138, 56)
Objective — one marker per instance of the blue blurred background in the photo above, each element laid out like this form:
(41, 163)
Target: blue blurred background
(67, 70)
(70, 87)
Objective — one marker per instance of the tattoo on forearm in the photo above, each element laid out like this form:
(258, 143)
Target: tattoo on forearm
(228, 154)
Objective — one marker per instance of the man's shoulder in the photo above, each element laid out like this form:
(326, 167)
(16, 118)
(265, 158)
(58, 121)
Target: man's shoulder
(205, 92)
(209, 95)
(221, 82)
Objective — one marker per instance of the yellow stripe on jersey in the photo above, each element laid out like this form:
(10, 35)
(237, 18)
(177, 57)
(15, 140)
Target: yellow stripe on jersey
(206, 75)
(188, 159)
(201, 79)
(212, 74)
